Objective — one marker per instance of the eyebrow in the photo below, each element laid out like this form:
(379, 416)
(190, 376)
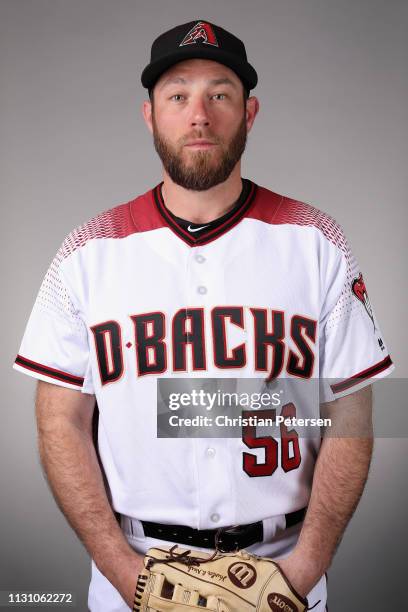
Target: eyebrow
(220, 81)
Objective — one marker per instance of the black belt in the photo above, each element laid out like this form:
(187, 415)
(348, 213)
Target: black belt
(229, 538)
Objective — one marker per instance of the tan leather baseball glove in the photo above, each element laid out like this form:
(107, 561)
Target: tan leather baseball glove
(181, 580)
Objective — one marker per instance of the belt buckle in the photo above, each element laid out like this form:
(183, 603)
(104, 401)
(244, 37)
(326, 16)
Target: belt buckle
(226, 531)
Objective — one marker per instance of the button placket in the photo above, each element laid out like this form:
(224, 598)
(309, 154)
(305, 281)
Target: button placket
(198, 275)
(203, 282)
(200, 259)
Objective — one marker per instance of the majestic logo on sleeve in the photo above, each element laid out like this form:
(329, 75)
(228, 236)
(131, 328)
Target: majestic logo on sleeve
(201, 32)
(359, 289)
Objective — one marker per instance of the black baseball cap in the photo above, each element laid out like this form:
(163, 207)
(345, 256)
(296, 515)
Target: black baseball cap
(198, 39)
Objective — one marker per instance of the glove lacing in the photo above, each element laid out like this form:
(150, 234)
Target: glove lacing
(183, 557)
(314, 605)
(191, 560)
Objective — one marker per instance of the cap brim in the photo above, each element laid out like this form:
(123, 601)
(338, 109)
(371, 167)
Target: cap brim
(243, 69)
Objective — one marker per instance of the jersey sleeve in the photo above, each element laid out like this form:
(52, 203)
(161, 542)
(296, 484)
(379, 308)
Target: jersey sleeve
(352, 349)
(55, 346)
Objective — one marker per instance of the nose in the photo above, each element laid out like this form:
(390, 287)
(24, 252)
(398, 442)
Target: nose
(199, 112)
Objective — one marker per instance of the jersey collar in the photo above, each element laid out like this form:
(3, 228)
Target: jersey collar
(246, 199)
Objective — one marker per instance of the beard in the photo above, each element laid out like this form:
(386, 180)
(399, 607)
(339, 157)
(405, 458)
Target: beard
(205, 169)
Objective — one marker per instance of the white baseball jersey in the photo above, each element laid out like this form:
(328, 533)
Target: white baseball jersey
(131, 296)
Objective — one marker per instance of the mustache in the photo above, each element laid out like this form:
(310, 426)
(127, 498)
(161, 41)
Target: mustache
(200, 135)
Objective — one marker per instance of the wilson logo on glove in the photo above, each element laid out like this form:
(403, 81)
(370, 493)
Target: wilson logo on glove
(242, 575)
(279, 603)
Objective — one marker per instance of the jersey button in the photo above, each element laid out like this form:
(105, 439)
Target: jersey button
(199, 258)
(210, 452)
(215, 517)
(202, 290)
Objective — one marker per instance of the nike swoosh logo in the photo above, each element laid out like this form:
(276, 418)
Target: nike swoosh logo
(197, 229)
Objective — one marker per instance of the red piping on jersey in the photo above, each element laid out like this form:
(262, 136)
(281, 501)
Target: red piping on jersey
(147, 212)
(47, 371)
(358, 378)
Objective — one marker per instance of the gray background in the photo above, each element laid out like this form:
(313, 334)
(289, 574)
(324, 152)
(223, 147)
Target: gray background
(332, 131)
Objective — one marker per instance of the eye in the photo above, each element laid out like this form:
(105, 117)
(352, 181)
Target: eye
(219, 94)
(176, 96)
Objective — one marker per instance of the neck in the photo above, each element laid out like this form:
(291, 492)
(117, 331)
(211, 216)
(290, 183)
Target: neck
(202, 206)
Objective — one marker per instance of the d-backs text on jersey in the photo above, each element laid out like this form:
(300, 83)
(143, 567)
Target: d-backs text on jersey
(154, 335)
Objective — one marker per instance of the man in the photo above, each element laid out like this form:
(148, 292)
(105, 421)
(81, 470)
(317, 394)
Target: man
(206, 274)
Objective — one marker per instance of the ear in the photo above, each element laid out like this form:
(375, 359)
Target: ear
(147, 114)
(252, 109)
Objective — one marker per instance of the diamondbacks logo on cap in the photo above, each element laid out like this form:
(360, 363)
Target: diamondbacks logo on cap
(201, 32)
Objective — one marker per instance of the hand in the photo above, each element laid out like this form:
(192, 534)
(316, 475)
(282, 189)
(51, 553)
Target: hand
(302, 573)
(128, 574)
